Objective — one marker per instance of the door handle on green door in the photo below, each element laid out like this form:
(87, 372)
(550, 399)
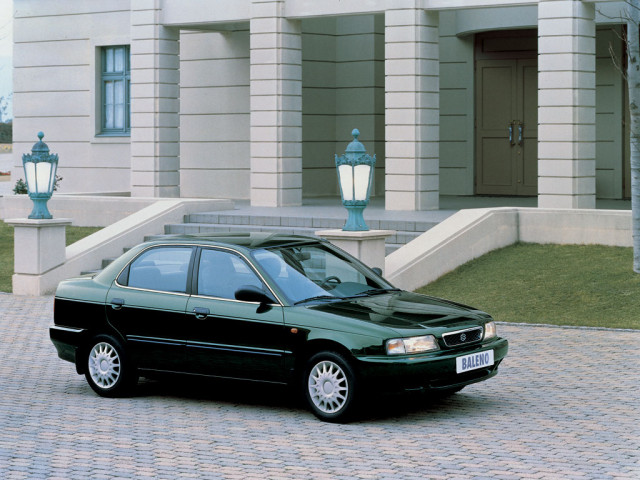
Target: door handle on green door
(117, 303)
(511, 133)
(201, 313)
(520, 129)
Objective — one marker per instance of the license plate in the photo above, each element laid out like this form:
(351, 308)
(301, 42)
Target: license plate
(474, 361)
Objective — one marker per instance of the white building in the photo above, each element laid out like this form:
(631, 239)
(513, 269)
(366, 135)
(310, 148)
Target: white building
(251, 99)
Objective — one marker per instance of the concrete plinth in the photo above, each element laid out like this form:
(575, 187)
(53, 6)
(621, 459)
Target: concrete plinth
(368, 247)
(39, 246)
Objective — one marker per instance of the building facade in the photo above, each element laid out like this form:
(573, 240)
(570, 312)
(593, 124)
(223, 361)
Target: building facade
(251, 99)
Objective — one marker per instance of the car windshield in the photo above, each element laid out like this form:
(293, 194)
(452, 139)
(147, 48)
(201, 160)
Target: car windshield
(315, 272)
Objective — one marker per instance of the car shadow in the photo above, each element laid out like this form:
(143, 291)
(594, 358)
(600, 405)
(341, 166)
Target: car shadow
(374, 408)
(219, 390)
(414, 406)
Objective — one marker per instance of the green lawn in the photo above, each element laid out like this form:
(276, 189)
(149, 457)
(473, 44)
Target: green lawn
(6, 250)
(553, 284)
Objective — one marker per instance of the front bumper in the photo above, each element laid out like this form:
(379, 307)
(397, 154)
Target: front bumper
(429, 371)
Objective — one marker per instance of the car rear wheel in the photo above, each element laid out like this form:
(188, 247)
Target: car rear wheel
(109, 372)
(329, 386)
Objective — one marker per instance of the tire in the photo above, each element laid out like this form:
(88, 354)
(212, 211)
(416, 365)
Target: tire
(109, 371)
(330, 386)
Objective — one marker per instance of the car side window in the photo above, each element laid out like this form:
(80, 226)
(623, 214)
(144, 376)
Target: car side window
(221, 273)
(163, 268)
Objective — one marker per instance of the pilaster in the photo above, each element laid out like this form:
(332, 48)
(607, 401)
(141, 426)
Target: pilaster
(412, 107)
(276, 105)
(155, 103)
(566, 104)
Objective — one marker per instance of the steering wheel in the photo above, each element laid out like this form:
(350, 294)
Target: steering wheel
(331, 281)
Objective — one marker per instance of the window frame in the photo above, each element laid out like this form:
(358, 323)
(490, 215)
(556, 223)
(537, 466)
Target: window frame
(239, 256)
(123, 278)
(105, 77)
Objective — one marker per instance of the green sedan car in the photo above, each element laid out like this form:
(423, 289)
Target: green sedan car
(265, 307)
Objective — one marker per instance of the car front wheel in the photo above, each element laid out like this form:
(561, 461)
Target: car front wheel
(109, 372)
(329, 386)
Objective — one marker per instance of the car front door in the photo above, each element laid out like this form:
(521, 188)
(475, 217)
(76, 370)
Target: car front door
(227, 337)
(147, 305)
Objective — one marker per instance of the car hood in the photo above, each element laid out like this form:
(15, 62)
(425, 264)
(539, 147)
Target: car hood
(405, 312)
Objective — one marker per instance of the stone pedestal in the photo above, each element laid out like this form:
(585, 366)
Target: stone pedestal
(368, 247)
(39, 246)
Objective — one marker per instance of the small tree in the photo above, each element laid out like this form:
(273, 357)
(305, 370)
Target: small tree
(633, 84)
(4, 106)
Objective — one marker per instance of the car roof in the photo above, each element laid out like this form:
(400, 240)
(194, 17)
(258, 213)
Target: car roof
(246, 240)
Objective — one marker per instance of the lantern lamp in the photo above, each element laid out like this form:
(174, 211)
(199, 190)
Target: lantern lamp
(40, 169)
(355, 177)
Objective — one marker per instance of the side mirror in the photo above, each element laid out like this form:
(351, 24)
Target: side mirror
(251, 293)
(377, 270)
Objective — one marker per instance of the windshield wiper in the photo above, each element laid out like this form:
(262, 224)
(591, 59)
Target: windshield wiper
(318, 297)
(376, 291)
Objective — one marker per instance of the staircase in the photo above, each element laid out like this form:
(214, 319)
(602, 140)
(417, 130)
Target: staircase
(230, 222)
(227, 221)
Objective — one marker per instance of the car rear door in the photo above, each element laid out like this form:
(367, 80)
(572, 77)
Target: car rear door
(147, 305)
(227, 337)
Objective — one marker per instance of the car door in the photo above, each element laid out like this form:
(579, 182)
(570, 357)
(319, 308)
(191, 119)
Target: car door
(147, 305)
(227, 337)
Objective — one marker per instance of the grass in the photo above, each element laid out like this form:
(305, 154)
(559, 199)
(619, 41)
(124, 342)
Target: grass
(553, 284)
(6, 250)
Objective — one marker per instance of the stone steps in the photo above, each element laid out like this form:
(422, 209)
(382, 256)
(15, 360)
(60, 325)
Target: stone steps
(228, 222)
(216, 222)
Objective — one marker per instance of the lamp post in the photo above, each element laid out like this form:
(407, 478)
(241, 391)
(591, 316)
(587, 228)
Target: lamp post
(40, 169)
(355, 176)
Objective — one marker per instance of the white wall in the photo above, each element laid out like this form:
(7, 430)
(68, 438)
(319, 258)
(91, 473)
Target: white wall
(214, 116)
(56, 57)
(456, 109)
(609, 114)
(342, 89)
(56, 61)
(318, 106)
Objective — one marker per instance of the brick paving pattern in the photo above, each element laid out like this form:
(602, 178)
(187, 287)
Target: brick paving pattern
(565, 406)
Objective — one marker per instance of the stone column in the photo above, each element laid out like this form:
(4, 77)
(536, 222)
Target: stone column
(367, 246)
(566, 104)
(276, 106)
(155, 103)
(40, 246)
(412, 107)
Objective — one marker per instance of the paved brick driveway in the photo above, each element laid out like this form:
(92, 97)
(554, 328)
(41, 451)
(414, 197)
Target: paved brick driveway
(565, 405)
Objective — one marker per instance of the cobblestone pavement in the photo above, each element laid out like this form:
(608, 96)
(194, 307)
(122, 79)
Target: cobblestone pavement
(565, 406)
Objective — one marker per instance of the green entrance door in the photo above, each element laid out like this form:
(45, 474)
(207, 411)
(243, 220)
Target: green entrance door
(507, 127)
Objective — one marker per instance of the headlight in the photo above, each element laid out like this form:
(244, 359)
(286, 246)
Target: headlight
(402, 346)
(490, 330)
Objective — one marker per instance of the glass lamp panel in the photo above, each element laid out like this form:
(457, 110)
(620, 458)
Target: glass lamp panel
(52, 177)
(361, 181)
(43, 176)
(30, 173)
(346, 181)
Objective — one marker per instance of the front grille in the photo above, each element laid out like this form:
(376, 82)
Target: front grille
(462, 337)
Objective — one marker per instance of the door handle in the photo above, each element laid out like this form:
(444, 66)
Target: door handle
(520, 129)
(117, 303)
(511, 133)
(201, 313)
